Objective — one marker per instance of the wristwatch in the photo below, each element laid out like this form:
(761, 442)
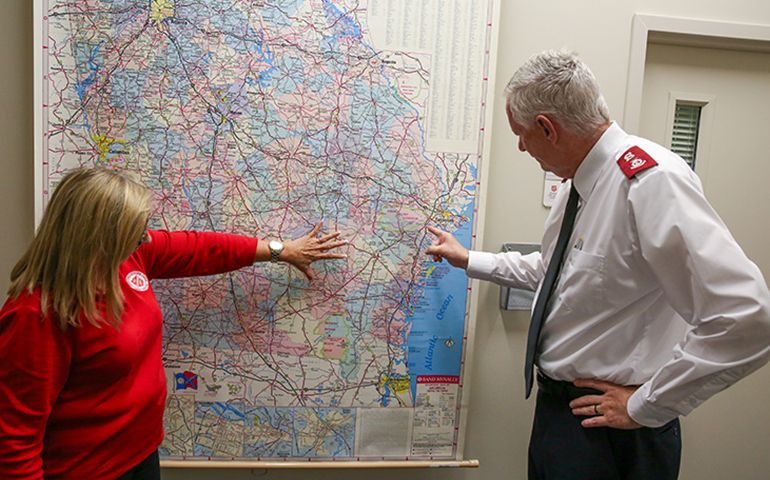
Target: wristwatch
(275, 247)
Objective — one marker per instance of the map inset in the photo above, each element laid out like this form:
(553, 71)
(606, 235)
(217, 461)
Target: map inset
(265, 117)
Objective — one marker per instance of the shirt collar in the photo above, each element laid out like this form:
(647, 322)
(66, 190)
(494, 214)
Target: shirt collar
(588, 172)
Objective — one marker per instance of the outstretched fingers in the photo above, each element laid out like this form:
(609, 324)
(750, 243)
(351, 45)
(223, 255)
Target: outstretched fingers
(327, 256)
(329, 246)
(315, 230)
(328, 236)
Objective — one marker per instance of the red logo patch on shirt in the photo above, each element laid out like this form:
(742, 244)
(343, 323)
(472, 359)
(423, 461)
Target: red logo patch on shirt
(635, 160)
(138, 281)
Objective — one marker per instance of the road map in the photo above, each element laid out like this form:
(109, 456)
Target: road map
(264, 118)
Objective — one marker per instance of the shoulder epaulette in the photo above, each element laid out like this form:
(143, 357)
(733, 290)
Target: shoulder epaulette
(635, 160)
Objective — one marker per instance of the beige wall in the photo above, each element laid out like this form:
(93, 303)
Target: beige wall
(16, 145)
(499, 417)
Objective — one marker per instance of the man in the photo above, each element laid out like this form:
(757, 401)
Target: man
(646, 305)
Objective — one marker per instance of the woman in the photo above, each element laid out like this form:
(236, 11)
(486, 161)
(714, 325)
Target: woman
(82, 387)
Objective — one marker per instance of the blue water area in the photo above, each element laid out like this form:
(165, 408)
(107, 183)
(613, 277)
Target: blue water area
(438, 320)
(344, 25)
(255, 44)
(91, 63)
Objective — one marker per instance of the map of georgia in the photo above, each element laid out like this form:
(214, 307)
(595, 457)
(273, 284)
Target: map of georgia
(266, 117)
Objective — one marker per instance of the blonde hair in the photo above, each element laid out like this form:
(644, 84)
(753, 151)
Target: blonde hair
(95, 219)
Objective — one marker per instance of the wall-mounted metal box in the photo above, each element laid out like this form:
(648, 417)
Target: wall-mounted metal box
(516, 298)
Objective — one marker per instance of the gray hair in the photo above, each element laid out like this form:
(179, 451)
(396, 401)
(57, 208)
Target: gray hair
(557, 83)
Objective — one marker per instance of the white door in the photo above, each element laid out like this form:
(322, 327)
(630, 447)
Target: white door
(728, 436)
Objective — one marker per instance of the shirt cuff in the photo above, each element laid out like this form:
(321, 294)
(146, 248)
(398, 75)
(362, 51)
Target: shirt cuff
(645, 413)
(480, 265)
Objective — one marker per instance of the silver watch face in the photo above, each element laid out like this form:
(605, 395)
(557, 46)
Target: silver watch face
(275, 245)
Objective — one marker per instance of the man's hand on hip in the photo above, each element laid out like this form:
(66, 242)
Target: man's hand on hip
(606, 410)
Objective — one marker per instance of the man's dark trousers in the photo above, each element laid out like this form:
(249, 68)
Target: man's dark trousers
(562, 449)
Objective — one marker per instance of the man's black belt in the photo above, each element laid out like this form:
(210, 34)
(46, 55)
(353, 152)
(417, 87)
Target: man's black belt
(565, 390)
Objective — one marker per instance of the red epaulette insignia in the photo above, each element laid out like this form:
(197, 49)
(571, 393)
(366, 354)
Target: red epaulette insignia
(635, 160)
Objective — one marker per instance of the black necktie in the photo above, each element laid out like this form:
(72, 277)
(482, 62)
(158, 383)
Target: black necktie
(554, 266)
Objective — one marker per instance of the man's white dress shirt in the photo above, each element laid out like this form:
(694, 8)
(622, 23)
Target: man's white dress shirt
(654, 290)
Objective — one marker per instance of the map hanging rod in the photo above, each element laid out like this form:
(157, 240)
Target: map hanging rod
(471, 463)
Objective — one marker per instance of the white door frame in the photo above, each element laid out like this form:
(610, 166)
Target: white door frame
(644, 25)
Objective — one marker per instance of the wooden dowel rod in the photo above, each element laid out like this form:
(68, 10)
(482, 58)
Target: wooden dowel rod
(320, 464)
